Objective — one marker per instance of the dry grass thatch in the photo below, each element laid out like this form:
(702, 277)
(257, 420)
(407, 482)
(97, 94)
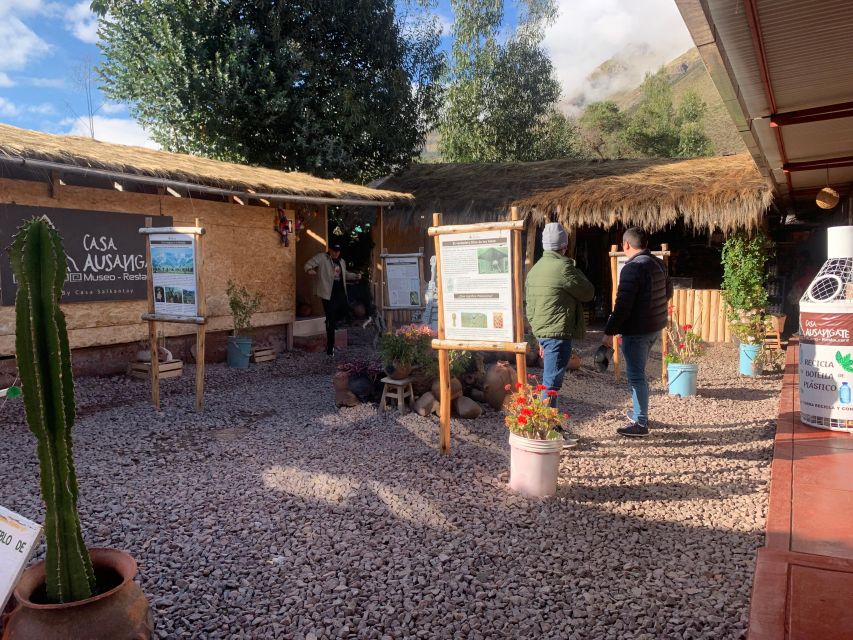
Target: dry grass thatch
(18, 143)
(725, 193)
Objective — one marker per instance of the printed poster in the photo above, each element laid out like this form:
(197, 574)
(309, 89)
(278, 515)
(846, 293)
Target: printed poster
(826, 366)
(476, 281)
(173, 271)
(403, 275)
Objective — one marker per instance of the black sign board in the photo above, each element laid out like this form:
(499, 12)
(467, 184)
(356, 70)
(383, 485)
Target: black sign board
(106, 252)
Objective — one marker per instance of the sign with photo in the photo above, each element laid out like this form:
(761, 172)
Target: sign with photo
(476, 281)
(403, 275)
(19, 538)
(173, 272)
(105, 253)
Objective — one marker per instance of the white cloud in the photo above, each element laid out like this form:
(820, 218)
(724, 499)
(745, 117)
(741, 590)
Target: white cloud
(112, 108)
(8, 108)
(43, 109)
(20, 6)
(118, 130)
(18, 43)
(6, 81)
(51, 83)
(589, 32)
(82, 22)
(446, 24)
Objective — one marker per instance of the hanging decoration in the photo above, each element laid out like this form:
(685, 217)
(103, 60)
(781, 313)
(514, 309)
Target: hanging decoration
(283, 226)
(827, 197)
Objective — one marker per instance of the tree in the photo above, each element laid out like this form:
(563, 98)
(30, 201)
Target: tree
(656, 129)
(602, 127)
(334, 87)
(501, 94)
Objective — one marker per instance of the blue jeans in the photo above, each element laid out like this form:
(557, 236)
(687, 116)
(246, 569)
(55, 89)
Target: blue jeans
(557, 354)
(635, 350)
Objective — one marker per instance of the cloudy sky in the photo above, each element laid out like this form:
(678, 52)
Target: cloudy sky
(47, 48)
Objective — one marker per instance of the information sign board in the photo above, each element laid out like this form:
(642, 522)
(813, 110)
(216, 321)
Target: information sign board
(19, 538)
(173, 272)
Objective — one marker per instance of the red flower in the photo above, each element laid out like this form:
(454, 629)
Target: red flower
(681, 346)
(521, 400)
(522, 420)
(670, 309)
(530, 376)
(541, 387)
(688, 327)
(552, 392)
(518, 385)
(527, 411)
(567, 416)
(507, 387)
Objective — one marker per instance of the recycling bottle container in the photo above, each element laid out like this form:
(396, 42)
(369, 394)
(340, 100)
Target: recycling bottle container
(826, 338)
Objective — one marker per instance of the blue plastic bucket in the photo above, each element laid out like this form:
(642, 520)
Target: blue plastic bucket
(681, 379)
(239, 351)
(748, 354)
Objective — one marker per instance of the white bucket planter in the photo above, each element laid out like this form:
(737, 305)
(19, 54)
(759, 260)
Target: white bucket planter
(534, 465)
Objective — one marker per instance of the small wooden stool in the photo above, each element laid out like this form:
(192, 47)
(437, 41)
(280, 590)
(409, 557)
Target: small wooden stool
(398, 390)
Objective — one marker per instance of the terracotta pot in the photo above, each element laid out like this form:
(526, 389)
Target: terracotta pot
(341, 381)
(778, 322)
(455, 389)
(122, 613)
(498, 376)
(399, 370)
(575, 362)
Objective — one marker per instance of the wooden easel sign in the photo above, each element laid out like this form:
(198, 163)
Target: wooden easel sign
(478, 282)
(175, 259)
(617, 261)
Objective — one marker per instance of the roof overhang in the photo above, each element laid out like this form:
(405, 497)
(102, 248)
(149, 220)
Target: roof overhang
(783, 68)
(179, 186)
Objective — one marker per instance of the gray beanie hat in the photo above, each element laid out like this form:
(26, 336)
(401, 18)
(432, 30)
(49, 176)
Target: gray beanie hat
(554, 237)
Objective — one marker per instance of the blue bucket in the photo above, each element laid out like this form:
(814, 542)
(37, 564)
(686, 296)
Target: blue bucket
(748, 354)
(239, 351)
(681, 379)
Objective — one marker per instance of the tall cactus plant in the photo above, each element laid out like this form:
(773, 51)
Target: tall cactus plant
(44, 365)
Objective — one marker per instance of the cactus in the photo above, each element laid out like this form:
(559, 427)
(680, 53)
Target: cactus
(44, 364)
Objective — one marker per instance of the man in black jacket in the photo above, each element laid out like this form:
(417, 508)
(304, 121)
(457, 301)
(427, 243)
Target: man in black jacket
(638, 316)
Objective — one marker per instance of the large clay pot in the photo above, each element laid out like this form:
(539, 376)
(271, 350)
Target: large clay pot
(498, 376)
(574, 362)
(399, 370)
(455, 389)
(122, 613)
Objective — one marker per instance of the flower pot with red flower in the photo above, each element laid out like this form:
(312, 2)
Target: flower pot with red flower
(535, 443)
(682, 366)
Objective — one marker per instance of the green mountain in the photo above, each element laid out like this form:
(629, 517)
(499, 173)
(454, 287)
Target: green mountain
(686, 72)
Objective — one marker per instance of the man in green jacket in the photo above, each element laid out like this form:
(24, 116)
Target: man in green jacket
(555, 289)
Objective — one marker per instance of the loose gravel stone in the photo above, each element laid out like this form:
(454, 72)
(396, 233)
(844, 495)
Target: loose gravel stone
(275, 515)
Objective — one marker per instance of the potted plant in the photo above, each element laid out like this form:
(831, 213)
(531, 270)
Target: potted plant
(73, 588)
(408, 347)
(243, 305)
(744, 258)
(682, 366)
(750, 333)
(535, 444)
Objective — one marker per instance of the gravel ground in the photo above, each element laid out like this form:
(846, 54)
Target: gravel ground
(274, 515)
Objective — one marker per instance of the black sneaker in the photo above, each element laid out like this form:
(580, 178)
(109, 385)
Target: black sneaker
(569, 441)
(634, 430)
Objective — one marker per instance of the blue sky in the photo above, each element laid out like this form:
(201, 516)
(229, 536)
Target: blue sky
(47, 47)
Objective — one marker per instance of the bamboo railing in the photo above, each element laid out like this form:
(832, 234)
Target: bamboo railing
(705, 310)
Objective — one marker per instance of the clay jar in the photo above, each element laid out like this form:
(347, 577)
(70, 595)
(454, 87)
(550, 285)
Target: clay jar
(498, 376)
(455, 389)
(121, 613)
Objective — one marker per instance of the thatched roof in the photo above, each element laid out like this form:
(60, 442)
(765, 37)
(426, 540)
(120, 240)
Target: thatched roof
(75, 151)
(720, 192)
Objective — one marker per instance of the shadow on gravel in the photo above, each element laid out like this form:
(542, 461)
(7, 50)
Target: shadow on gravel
(742, 394)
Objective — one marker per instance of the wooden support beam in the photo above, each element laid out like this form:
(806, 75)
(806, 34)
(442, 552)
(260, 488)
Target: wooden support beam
(510, 225)
(55, 185)
(518, 299)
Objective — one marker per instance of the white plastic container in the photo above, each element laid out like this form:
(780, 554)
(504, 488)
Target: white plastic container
(826, 338)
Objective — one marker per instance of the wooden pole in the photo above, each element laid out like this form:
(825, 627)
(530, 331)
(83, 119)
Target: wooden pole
(614, 274)
(200, 329)
(530, 246)
(152, 325)
(518, 302)
(443, 354)
(664, 336)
